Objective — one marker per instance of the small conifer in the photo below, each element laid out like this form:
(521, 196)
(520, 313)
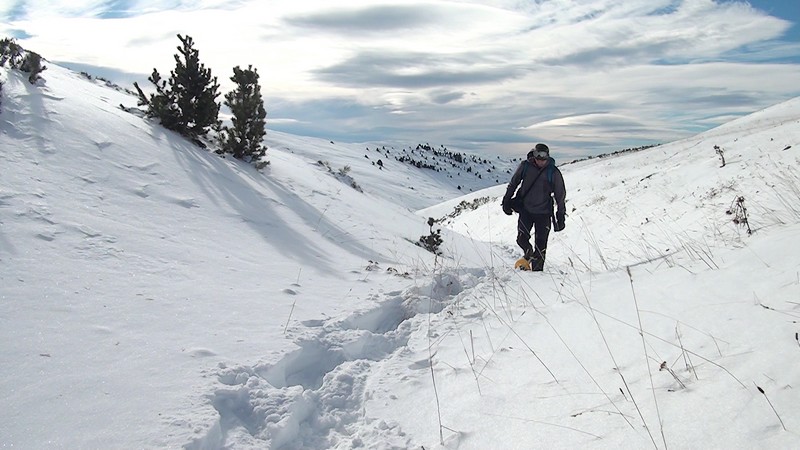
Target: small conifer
(186, 102)
(244, 139)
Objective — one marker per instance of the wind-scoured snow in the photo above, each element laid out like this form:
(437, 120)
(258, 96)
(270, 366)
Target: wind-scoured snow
(156, 295)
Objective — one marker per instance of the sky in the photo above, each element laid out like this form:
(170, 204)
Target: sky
(586, 77)
(156, 295)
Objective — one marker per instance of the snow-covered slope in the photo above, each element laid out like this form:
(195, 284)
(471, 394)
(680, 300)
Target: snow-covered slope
(155, 295)
(132, 261)
(415, 176)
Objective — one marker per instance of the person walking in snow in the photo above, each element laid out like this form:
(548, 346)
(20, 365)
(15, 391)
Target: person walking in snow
(540, 186)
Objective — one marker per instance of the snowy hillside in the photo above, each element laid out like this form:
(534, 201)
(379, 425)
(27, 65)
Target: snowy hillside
(155, 295)
(416, 176)
(674, 198)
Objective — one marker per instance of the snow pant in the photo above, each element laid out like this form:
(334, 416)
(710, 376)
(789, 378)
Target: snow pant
(540, 223)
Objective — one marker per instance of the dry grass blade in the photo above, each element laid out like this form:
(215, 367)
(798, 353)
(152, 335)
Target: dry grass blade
(771, 406)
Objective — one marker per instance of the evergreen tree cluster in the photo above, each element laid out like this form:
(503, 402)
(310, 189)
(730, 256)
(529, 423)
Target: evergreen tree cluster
(18, 58)
(187, 103)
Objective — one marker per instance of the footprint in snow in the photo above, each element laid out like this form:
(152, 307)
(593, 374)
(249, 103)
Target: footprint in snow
(200, 353)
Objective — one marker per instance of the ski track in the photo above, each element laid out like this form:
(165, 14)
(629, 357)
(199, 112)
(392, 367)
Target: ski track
(298, 401)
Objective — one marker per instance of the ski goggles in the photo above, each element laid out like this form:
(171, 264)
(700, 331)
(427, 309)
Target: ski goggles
(540, 155)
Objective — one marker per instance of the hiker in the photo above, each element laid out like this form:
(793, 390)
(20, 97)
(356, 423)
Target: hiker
(541, 183)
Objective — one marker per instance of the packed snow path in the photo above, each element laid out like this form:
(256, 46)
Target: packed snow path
(312, 396)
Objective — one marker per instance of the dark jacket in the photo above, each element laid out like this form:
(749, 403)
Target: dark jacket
(537, 197)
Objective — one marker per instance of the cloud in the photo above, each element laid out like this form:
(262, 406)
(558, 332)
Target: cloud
(588, 74)
(105, 9)
(413, 70)
(18, 34)
(772, 51)
(679, 33)
(444, 97)
(117, 9)
(382, 19)
(14, 10)
(387, 18)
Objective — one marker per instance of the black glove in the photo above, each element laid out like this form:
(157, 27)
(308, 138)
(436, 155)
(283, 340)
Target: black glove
(507, 207)
(559, 225)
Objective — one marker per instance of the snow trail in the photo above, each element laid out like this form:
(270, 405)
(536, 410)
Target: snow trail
(314, 396)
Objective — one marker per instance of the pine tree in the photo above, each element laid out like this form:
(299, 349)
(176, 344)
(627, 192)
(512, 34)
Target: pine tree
(243, 140)
(162, 104)
(186, 102)
(10, 52)
(32, 64)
